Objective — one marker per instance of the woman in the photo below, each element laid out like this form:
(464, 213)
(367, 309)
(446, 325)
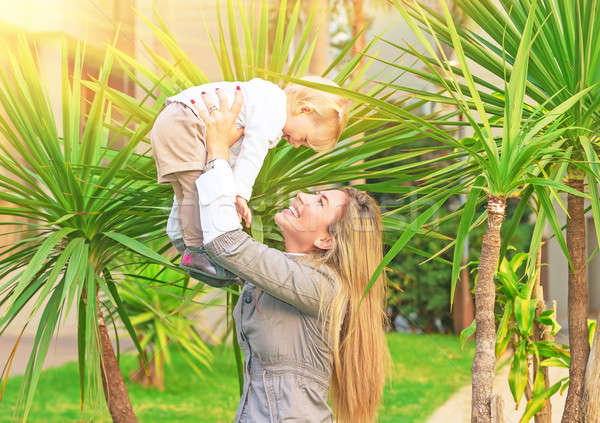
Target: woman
(300, 320)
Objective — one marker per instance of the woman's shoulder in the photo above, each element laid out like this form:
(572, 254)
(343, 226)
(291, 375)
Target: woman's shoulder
(324, 273)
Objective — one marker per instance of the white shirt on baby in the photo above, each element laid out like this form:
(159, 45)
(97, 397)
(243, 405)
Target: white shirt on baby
(217, 206)
(263, 117)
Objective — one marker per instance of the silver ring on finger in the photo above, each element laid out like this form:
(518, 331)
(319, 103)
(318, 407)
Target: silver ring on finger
(212, 109)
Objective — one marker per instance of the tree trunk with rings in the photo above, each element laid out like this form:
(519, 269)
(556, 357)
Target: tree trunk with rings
(115, 390)
(578, 301)
(485, 407)
(590, 403)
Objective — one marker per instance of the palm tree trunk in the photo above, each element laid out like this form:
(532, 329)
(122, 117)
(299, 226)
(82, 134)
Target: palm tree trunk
(590, 403)
(484, 362)
(143, 375)
(462, 312)
(578, 301)
(358, 23)
(541, 333)
(115, 390)
(147, 374)
(320, 58)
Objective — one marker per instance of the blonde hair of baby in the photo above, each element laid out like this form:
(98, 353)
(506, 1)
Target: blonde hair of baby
(329, 109)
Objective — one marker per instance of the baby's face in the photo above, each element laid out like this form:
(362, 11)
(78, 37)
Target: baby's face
(297, 128)
(301, 129)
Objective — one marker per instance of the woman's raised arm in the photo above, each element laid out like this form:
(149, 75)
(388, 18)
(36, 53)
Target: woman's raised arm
(288, 279)
(272, 270)
(219, 120)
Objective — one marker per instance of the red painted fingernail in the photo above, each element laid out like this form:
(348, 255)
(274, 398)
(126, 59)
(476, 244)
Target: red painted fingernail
(203, 92)
(238, 87)
(216, 89)
(193, 101)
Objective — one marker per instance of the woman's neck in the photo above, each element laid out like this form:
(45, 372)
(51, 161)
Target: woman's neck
(293, 248)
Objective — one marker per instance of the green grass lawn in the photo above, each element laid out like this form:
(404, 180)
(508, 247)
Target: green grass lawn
(427, 370)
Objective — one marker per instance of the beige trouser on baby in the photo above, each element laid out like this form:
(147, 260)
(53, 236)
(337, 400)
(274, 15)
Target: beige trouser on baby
(178, 143)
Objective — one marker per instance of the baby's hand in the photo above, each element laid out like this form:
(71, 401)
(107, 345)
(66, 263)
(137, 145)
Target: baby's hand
(243, 210)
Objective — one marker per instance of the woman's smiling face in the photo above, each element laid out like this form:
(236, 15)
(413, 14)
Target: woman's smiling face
(305, 223)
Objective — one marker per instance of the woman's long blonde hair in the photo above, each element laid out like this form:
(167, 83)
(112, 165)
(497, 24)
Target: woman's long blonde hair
(356, 329)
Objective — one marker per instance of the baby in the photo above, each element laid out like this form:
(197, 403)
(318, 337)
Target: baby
(300, 115)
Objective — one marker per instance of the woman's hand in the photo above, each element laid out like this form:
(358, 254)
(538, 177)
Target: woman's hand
(221, 130)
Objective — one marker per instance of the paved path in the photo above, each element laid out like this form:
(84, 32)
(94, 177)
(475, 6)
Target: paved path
(458, 408)
(62, 349)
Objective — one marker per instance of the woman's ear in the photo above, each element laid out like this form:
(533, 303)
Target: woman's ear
(324, 243)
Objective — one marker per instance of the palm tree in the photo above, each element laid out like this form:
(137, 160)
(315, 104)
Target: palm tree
(286, 170)
(164, 317)
(83, 205)
(246, 54)
(563, 62)
(320, 58)
(358, 23)
(91, 203)
(495, 167)
(104, 209)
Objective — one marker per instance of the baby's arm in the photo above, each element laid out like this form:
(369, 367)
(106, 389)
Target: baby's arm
(243, 211)
(249, 161)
